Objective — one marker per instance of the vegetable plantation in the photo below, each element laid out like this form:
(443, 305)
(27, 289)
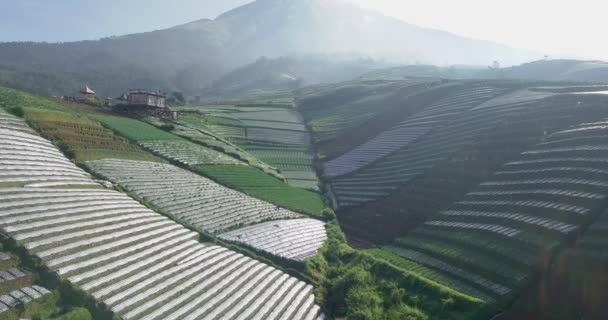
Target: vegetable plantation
(275, 135)
(258, 184)
(133, 261)
(82, 137)
(165, 144)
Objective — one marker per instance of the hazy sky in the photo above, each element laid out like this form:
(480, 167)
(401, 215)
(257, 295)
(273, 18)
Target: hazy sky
(549, 26)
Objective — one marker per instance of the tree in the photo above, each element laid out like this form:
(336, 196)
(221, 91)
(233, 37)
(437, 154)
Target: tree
(176, 99)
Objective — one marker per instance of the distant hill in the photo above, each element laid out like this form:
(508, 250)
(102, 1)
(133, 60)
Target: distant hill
(190, 57)
(425, 71)
(544, 70)
(566, 70)
(288, 73)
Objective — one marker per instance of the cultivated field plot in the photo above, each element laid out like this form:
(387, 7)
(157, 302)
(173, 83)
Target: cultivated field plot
(165, 144)
(189, 197)
(27, 159)
(17, 288)
(136, 262)
(12, 302)
(141, 264)
(295, 239)
(492, 239)
(331, 110)
(384, 175)
(82, 137)
(10, 122)
(211, 140)
(256, 183)
(410, 129)
(274, 134)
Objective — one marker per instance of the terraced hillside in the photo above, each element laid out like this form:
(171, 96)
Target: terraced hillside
(491, 243)
(333, 109)
(29, 160)
(135, 262)
(165, 144)
(448, 180)
(218, 166)
(197, 132)
(463, 124)
(409, 130)
(81, 137)
(273, 133)
(210, 207)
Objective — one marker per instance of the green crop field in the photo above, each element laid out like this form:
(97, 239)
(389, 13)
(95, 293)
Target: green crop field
(133, 129)
(84, 138)
(165, 144)
(208, 139)
(274, 133)
(263, 186)
(216, 165)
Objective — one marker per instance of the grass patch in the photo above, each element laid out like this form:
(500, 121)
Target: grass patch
(355, 285)
(10, 98)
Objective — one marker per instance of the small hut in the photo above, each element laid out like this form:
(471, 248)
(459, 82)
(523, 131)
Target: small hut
(87, 94)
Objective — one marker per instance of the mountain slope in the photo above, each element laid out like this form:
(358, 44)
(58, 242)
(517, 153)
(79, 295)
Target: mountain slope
(279, 27)
(189, 57)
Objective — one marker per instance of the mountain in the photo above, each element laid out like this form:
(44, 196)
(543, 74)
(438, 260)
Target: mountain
(280, 27)
(190, 57)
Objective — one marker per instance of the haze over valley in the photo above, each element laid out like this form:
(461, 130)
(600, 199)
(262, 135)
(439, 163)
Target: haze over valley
(303, 160)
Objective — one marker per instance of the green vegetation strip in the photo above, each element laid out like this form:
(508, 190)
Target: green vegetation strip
(356, 285)
(258, 184)
(82, 138)
(133, 129)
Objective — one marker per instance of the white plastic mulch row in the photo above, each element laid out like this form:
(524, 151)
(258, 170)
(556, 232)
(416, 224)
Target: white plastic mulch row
(10, 122)
(21, 296)
(295, 239)
(139, 263)
(31, 160)
(142, 265)
(190, 197)
(188, 153)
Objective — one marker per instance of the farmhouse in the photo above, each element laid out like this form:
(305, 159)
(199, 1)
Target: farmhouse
(87, 94)
(140, 101)
(146, 98)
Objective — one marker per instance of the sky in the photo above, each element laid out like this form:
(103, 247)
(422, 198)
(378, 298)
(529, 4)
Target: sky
(554, 27)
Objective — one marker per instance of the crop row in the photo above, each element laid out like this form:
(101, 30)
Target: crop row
(188, 196)
(136, 262)
(409, 130)
(295, 239)
(28, 159)
(467, 238)
(401, 166)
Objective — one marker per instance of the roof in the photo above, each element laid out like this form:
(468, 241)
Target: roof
(87, 90)
(147, 92)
